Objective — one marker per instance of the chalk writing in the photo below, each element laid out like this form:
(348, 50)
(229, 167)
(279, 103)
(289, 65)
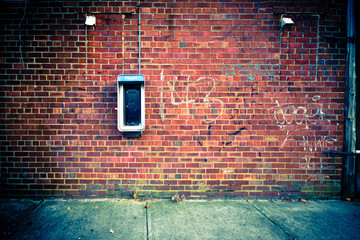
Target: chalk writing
(289, 114)
(162, 106)
(251, 71)
(196, 92)
(286, 114)
(311, 143)
(328, 68)
(239, 33)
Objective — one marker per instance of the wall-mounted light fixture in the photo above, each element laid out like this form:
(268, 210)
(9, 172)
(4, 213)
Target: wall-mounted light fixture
(90, 20)
(286, 22)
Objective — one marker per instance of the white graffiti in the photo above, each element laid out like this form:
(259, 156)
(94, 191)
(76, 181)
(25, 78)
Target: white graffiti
(162, 107)
(307, 160)
(316, 143)
(311, 143)
(287, 114)
(196, 92)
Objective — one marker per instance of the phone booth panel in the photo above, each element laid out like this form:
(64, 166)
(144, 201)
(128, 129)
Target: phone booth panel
(131, 104)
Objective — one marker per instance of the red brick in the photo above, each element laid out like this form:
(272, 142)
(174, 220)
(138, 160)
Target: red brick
(224, 102)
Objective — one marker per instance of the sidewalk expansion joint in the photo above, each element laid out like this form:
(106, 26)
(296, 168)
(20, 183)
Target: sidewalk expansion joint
(272, 221)
(23, 219)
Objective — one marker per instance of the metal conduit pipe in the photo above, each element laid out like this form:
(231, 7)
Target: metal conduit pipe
(350, 107)
(139, 41)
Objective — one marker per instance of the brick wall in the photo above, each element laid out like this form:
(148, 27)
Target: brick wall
(235, 105)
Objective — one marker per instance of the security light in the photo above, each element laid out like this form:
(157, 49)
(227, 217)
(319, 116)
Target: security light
(90, 20)
(286, 22)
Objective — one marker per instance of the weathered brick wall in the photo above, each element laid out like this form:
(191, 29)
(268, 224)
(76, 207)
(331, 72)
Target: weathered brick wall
(235, 105)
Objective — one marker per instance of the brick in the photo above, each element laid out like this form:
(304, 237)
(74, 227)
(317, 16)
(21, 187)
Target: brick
(230, 110)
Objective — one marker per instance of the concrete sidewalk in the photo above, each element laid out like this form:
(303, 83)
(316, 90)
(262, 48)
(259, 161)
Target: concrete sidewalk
(217, 219)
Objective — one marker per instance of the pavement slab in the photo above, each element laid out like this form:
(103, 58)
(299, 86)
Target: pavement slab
(12, 213)
(327, 219)
(209, 220)
(84, 219)
(190, 219)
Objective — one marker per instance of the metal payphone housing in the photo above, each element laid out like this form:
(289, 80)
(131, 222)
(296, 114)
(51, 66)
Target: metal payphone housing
(131, 104)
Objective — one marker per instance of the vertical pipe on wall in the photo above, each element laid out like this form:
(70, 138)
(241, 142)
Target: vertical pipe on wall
(357, 57)
(139, 58)
(122, 43)
(350, 106)
(86, 49)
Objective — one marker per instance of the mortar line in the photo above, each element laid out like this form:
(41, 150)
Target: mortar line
(272, 221)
